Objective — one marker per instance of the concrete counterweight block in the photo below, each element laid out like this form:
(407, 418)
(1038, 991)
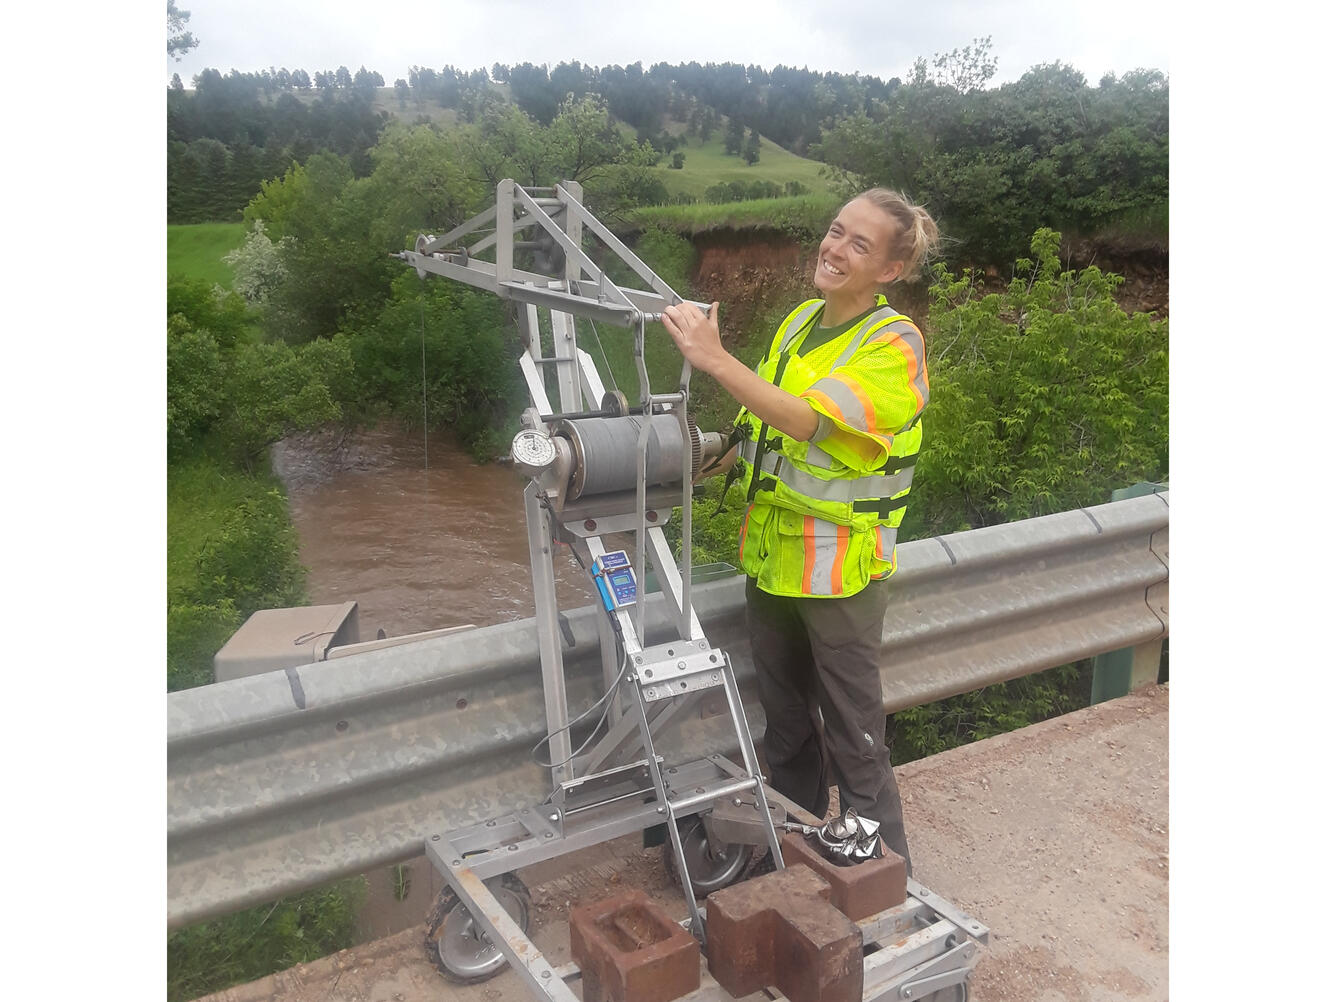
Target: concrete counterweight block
(630, 950)
(781, 930)
(859, 890)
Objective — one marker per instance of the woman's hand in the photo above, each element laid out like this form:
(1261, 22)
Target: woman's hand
(697, 335)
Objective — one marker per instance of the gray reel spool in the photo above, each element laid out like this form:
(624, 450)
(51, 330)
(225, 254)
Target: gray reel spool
(606, 453)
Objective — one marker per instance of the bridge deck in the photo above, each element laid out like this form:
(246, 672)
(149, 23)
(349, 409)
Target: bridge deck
(1055, 836)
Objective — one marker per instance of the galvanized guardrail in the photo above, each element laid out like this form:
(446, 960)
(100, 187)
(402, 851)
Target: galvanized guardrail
(283, 781)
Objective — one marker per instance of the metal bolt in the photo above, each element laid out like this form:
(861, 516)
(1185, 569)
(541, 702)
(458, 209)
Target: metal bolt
(456, 862)
(672, 771)
(653, 516)
(554, 817)
(639, 659)
(547, 974)
(737, 801)
(649, 673)
(700, 789)
(650, 693)
(660, 810)
(547, 834)
(342, 725)
(436, 838)
(491, 824)
(512, 847)
(681, 666)
(713, 660)
(590, 524)
(714, 677)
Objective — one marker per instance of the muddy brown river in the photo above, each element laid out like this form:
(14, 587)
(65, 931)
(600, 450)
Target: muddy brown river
(417, 533)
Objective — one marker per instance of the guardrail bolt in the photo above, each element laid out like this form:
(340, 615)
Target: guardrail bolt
(456, 862)
(554, 817)
(511, 848)
(436, 838)
(681, 666)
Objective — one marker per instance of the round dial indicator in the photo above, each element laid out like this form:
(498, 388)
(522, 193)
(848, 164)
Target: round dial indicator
(533, 449)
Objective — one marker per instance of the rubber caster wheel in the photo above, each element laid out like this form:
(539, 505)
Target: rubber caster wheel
(457, 946)
(954, 993)
(708, 872)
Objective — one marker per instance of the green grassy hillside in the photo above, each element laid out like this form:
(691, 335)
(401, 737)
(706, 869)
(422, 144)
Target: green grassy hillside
(196, 251)
(707, 164)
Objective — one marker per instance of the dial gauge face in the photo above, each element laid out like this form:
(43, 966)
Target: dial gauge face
(532, 448)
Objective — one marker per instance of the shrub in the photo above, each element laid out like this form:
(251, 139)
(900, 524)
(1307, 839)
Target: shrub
(250, 560)
(195, 633)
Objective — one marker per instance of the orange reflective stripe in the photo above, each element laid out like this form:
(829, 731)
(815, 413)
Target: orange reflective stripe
(826, 402)
(833, 409)
(911, 363)
(837, 571)
(742, 536)
(856, 388)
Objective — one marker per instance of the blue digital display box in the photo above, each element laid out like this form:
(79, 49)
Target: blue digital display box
(615, 579)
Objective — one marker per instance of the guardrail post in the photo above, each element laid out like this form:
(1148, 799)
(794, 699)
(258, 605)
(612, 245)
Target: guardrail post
(1119, 672)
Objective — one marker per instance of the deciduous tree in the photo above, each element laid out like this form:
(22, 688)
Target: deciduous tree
(179, 41)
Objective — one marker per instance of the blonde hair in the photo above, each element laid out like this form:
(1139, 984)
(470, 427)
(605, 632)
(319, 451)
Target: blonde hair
(916, 239)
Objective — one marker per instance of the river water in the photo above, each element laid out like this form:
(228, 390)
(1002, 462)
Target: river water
(416, 532)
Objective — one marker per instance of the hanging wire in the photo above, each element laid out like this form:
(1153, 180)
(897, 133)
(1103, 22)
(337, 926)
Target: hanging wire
(422, 314)
(603, 700)
(606, 365)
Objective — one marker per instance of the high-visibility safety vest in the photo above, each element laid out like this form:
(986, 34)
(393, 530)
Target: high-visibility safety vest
(822, 515)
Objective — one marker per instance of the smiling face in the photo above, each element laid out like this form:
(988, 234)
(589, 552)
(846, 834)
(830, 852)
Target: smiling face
(854, 260)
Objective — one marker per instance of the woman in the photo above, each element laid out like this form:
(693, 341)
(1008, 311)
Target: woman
(830, 425)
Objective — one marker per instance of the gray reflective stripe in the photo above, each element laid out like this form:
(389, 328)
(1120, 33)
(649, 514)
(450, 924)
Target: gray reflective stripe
(844, 490)
(841, 490)
(817, 456)
(912, 336)
(800, 320)
(823, 549)
(865, 331)
(840, 394)
(886, 539)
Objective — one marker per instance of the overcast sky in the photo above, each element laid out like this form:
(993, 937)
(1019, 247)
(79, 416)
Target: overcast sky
(873, 37)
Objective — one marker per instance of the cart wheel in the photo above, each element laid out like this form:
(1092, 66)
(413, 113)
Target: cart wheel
(955, 993)
(457, 947)
(708, 872)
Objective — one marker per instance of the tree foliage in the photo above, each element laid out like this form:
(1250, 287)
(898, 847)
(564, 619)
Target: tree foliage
(995, 165)
(179, 41)
(1045, 397)
(257, 265)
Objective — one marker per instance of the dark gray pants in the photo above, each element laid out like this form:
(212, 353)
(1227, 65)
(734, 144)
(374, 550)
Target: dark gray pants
(824, 653)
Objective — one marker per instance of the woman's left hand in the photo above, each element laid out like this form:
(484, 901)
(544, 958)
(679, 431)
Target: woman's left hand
(696, 334)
